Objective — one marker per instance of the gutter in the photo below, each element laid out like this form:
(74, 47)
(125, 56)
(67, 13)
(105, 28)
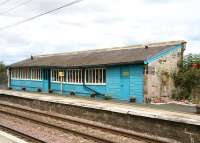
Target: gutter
(78, 66)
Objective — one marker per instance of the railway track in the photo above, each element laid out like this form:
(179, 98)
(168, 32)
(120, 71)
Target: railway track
(80, 127)
(21, 135)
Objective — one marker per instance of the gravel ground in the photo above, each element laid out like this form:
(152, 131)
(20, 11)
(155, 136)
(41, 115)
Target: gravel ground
(76, 127)
(47, 134)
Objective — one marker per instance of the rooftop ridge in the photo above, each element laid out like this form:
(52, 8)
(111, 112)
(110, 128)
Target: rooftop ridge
(157, 44)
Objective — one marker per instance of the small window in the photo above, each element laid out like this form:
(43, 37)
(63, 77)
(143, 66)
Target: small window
(58, 75)
(26, 73)
(74, 76)
(95, 76)
(36, 74)
(66, 75)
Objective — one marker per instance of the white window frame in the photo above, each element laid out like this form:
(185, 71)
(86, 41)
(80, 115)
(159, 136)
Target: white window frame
(37, 72)
(74, 76)
(71, 76)
(26, 74)
(55, 77)
(92, 73)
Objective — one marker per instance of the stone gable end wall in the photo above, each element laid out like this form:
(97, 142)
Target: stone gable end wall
(158, 80)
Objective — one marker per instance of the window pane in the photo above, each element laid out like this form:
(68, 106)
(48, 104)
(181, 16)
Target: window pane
(70, 76)
(93, 76)
(76, 76)
(86, 76)
(101, 76)
(89, 76)
(98, 76)
(65, 73)
(81, 76)
(104, 76)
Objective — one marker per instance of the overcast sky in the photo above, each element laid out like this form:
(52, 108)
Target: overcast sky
(93, 24)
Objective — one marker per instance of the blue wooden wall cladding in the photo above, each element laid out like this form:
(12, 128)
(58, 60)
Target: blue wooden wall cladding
(122, 82)
(126, 81)
(45, 81)
(31, 85)
(137, 82)
(79, 89)
(113, 81)
(28, 84)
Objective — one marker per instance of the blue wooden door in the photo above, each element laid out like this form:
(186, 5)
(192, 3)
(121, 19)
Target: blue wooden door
(125, 83)
(46, 79)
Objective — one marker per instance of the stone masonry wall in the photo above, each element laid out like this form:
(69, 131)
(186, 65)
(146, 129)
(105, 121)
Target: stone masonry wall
(158, 81)
(196, 95)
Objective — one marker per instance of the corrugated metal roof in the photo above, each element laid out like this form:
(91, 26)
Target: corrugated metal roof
(110, 56)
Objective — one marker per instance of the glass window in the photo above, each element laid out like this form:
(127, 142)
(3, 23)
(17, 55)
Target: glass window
(26, 73)
(95, 76)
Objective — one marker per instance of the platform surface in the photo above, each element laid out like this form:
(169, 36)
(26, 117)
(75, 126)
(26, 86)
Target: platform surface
(124, 108)
(8, 138)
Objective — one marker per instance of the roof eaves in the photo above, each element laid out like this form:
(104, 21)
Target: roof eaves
(162, 53)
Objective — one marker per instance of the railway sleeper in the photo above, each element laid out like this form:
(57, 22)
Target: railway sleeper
(74, 125)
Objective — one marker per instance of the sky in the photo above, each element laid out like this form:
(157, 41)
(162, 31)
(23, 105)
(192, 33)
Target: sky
(93, 24)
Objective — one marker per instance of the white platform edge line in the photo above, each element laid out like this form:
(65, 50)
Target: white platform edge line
(12, 137)
(168, 117)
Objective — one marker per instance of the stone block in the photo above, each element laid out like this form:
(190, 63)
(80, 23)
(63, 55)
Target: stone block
(198, 108)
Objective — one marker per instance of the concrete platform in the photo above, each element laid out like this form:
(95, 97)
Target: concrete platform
(124, 108)
(8, 138)
(167, 126)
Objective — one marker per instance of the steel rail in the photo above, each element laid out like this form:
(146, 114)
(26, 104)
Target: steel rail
(66, 130)
(120, 132)
(20, 134)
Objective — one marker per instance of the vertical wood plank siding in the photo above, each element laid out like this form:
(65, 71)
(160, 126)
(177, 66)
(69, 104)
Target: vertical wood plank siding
(113, 81)
(31, 85)
(137, 83)
(112, 86)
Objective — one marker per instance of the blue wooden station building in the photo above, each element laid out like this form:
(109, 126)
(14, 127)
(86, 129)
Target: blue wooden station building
(116, 71)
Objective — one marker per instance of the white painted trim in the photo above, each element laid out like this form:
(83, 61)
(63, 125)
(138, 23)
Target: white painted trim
(25, 79)
(95, 83)
(94, 73)
(66, 82)
(73, 83)
(78, 83)
(26, 74)
(72, 75)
